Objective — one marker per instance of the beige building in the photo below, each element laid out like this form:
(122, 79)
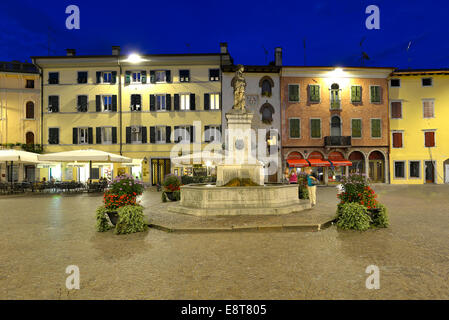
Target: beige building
(19, 115)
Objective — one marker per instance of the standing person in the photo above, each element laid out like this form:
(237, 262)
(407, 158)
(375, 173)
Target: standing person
(311, 187)
(293, 178)
(286, 176)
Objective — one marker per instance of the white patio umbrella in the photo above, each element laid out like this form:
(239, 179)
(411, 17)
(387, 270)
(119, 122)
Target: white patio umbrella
(86, 155)
(18, 156)
(213, 157)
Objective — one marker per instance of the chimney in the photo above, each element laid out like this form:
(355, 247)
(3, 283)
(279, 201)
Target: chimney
(70, 52)
(278, 57)
(115, 50)
(223, 47)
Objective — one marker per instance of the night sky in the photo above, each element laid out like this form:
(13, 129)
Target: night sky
(332, 30)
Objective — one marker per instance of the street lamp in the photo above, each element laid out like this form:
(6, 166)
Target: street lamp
(134, 58)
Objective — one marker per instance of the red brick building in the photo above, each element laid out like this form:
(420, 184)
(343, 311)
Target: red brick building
(332, 115)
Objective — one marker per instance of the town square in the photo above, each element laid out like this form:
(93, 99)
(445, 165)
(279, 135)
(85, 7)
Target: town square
(216, 167)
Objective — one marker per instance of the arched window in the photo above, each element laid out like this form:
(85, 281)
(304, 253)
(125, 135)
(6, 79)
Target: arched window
(266, 84)
(29, 138)
(29, 112)
(267, 111)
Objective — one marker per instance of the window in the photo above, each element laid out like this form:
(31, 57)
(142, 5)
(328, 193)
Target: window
(213, 134)
(82, 103)
(314, 93)
(136, 77)
(397, 139)
(375, 94)
(182, 133)
(106, 135)
(53, 77)
(184, 101)
(295, 128)
(160, 134)
(136, 102)
(83, 136)
(266, 88)
(428, 108)
(160, 102)
(376, 128)
(395, 82)
(335, 96)
(106, 77)
(160, 76)
(356, 94)
(267, 111)
(356, 128)
(414, 169)
(214, 101)
(29, 112)
(29, 138)
(293, 93)
(214, 74)
(53, 103)
(82, 76)
(399, 169)
(315, 128)
(429, 139)
(426, 82)
(53, 135)
(396, 110)
(136, 134)
(29, 84)
(107, 103)
(184, 75)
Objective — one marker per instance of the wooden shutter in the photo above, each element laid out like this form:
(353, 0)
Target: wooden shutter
(397, 139)
(127, 77)
(429, 138)
(152, 134)
(113, 77)
(192, 133)
(143, 76)
(98, 76)
(176, 101)
(98, 135)
(206, 134)
(375, 128)
(206, 101)
(428, 109)
(114, 135)
(144, 134)
(90, 135)
(152, 102)
(168, 76)
(356, 128)
(316, 128)
(356, 93)
(396, 110)
(98, 103)
(168, 134)
(128, 134)
(152, 76)
(168, 102)
(114, 103)
(75, 135)
(192, 101)
(176, 136)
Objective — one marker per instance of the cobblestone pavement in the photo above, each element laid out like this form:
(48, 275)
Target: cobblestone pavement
(42, 234)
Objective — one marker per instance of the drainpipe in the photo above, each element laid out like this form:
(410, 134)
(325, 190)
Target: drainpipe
(41, 73)
(120, 102)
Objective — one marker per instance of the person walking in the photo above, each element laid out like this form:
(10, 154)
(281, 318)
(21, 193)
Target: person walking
(311, 187)
(286, 176)
(293, 178)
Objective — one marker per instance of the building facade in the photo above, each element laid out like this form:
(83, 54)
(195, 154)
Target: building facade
(419, 109)
(136, 106)
(19, 115)
(263, 100)
(331, 115)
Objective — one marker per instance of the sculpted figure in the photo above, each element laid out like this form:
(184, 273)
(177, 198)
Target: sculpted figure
(239, 84)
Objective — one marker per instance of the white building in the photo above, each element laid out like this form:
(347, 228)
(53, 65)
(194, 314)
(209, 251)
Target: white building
(263, 100)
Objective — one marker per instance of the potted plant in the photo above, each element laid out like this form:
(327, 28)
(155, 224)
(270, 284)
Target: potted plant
(172, 186)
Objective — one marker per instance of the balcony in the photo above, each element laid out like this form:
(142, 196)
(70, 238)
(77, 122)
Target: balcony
(337, 141)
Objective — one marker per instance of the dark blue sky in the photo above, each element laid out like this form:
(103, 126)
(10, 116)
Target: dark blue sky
(332, 29)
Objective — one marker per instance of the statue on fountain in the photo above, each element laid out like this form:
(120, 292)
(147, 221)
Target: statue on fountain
(239, 85)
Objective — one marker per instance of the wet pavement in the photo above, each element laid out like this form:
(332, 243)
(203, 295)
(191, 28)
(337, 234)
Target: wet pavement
(42, 234)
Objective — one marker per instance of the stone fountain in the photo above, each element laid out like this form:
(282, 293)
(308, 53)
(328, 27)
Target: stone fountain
(260, 199)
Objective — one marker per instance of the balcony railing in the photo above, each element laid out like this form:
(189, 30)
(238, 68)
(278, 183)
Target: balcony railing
(337, 141)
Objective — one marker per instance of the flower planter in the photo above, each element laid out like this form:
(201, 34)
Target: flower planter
(113, 217)
(373, 213)
(171, 196)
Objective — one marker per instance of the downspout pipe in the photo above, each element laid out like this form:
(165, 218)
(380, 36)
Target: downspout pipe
(120, 103)
(41, 73)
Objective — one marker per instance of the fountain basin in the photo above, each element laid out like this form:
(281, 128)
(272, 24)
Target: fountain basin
(210, 200)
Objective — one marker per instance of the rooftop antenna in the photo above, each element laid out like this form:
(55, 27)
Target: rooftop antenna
(364, 55)
(408, 56)
(266, 54)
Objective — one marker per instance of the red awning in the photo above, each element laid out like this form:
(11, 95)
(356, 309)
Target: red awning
(341, 163)
(297, 163)
(319, 163)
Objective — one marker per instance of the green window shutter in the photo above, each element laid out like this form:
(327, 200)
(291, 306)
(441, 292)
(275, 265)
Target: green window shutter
(127, 77)
(356, 94)
(143, 76)
(295, 129)
(113, 77)
(375, 128)
(356, 128)
(315, 125)
(375, 94)
(314, 93)
(293, 93)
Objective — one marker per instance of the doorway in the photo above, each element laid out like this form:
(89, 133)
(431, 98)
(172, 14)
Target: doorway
(335, 126)
(429, 168)
(376, 167)
(159, 169)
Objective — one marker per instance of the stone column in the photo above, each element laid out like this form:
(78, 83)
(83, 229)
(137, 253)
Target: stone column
(326, 176)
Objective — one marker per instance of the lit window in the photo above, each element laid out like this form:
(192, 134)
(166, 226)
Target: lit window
(185, 101)
(214, 75)
(83, 136)
(214, 101)
(106, 135)
(107, 103)
(184, 75)
(160, 134)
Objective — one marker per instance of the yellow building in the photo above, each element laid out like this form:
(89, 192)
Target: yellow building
(419, 130)
(133, 105)
(19, 115)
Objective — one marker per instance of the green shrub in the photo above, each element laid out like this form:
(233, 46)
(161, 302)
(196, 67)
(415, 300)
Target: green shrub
(102, 221)
(164, 197)
(303, 192)
(130, 220)
(353, 216)
(171, 183)
(381, 220)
